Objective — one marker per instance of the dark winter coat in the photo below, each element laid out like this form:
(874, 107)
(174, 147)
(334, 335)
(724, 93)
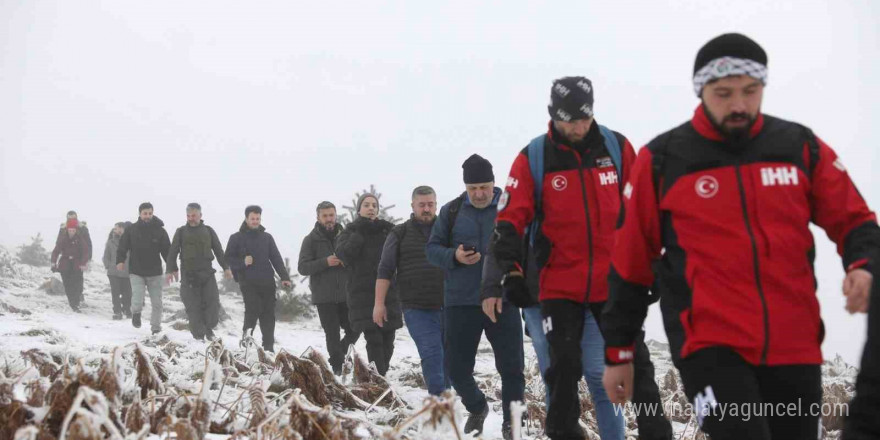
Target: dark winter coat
(82, 231)
(109, 259)
(360, 248)
(148, 243)
(326, 283)
(73, 252)
(197, 246)
(261, 246)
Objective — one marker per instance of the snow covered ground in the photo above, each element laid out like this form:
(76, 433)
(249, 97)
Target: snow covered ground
(31, 318)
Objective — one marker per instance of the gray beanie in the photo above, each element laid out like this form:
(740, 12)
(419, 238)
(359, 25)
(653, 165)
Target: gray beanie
(360, 202)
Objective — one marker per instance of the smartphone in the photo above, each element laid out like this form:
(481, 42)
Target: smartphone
(469, 248)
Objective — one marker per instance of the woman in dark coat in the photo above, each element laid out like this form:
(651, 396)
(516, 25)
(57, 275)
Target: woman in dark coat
(360, 249)
(74, 253)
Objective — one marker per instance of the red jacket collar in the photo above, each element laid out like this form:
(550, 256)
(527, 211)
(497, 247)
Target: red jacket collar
(704, 126)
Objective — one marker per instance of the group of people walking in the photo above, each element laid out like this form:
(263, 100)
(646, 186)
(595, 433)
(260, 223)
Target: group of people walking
(710, 218)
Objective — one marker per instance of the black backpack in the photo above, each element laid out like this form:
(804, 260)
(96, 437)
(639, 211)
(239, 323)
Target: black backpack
(454, 208)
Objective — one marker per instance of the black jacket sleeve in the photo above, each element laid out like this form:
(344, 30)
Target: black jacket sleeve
(277, 261)
(124, 246)
(348, 245)
(490, 287)
(234, 255)
(310, 264)
(164, 244)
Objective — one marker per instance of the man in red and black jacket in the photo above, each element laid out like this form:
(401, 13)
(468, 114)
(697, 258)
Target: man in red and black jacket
(717, 213)
(578, 212)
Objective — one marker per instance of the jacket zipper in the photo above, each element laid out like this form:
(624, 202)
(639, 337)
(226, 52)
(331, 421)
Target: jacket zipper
(742, 196)
(589, 226)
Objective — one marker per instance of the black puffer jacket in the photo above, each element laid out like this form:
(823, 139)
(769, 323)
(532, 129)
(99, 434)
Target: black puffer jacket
(326, 283)
(148, 243)
(360, 248)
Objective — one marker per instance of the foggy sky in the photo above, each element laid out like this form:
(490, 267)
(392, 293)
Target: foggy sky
(104, 105)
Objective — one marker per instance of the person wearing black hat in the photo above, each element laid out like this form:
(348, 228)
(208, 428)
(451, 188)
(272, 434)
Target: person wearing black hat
(459, 239)
(573, 217)
(716, 219)
(359, 247)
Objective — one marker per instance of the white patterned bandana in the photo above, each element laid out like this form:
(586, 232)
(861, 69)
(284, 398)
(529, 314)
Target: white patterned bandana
(728, 66)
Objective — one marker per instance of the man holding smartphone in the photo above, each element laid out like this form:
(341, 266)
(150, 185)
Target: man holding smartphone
(459, 239)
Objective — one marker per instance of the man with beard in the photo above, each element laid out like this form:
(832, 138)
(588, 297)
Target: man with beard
(459, 239)
(120, 285)
(148, 243)
(197, 244)
(420, 286)
(360, 249)
(582, 165)
(254, 259)
(318, 261)
(716, 216)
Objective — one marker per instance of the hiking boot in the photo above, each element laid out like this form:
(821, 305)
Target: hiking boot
(117, 316)
(246, 338)
(506, 431)
(156, 332)
(475, 421)
(136, 320)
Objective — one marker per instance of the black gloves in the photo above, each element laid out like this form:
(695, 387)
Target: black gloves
(517, 291)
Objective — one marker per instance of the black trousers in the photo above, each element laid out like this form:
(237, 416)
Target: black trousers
(864, 412)
(202, 302)
(733, 399)
(259, 305)
(120, 294)
(334, 318)
(652, 426)
(380, 347)
(72, 278)
(564, 331)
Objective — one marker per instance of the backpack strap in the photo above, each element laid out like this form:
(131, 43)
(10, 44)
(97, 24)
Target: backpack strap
(536, 166)
(613, 147)
(813, 147)
(454, 208)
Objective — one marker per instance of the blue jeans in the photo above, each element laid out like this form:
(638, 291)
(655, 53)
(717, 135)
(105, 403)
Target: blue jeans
(464, 328)
(426, 328)
(611, 423)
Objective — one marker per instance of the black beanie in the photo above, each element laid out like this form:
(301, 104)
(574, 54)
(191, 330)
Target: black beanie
(477, 170)
(360, 202)
(571, 98)
(726, 55)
